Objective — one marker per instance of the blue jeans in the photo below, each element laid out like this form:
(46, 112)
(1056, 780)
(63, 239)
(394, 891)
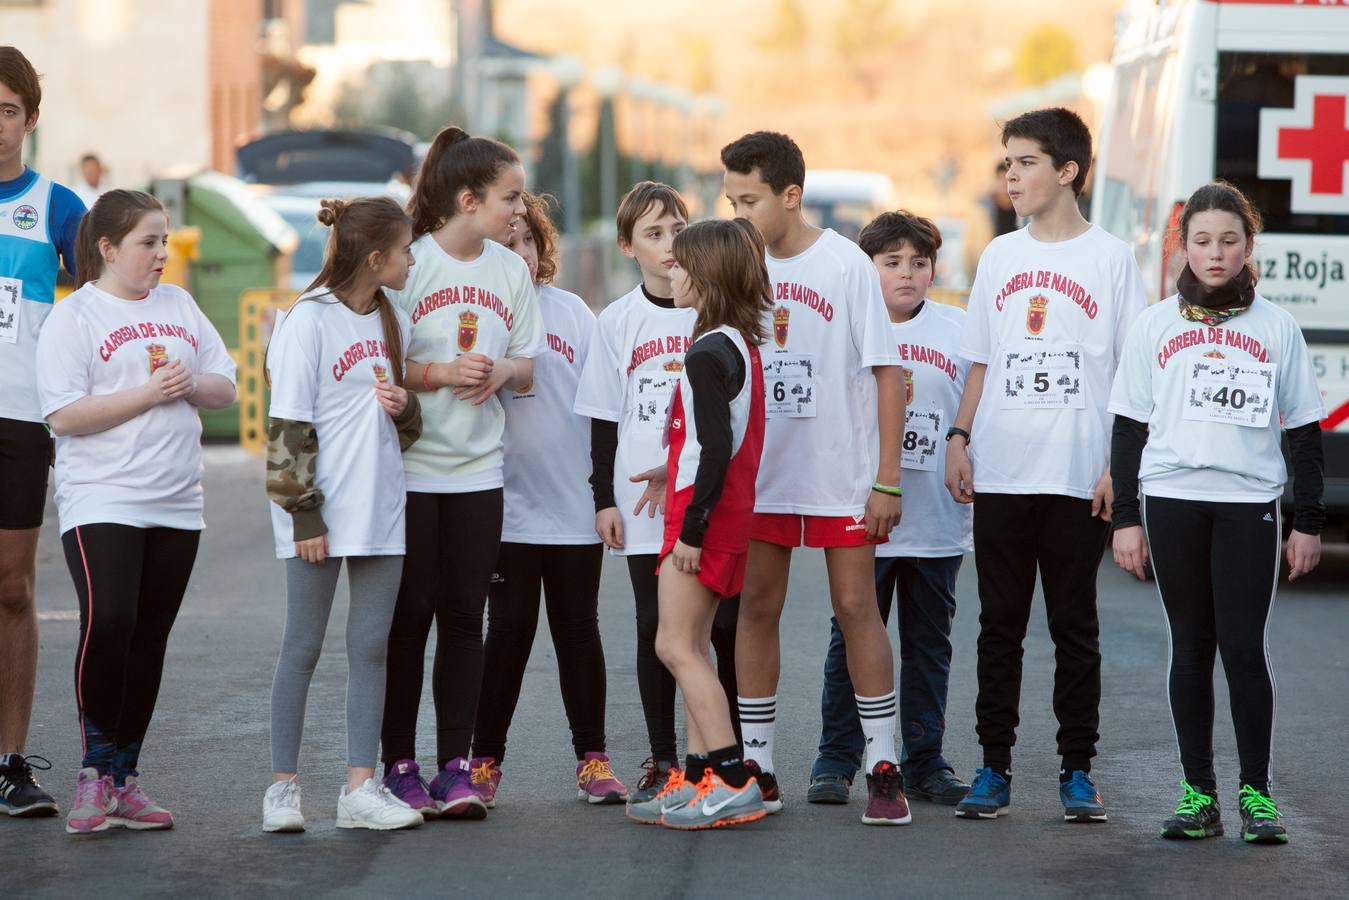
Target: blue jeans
(927, 604)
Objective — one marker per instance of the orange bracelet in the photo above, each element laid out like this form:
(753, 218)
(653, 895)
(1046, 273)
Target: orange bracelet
(426, 377)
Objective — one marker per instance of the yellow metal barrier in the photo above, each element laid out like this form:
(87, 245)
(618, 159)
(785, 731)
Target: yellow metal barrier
(257, 315)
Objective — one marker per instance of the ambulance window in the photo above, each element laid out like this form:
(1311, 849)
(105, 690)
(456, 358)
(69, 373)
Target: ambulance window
(1246, 83)
(1127, 181)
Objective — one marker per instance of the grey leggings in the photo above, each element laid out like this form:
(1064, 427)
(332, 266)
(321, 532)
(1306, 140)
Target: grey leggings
(309, 600)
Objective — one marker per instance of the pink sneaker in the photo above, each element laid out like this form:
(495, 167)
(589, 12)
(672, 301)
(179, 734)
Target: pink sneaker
(596, 782)
(94, 803)
(486, 779)
(135, 809)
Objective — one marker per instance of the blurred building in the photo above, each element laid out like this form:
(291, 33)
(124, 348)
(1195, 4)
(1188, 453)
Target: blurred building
(146, 85)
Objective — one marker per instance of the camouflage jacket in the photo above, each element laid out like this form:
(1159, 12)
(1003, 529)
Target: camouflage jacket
(292, 464)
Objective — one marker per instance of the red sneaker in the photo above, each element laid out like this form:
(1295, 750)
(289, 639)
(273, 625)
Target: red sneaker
(886, 803)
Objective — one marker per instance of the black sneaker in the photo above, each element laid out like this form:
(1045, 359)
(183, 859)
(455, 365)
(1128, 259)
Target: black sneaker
(768, 786)
(20, 794)
(942, 787)
(1260, 818)
(828, 787)
(653, 780)
(1197, 815)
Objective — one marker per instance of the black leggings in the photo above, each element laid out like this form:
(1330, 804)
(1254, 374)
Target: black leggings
(130, 582)
(452, 544)
(1217, 569)
(655, 682)
(570, 579)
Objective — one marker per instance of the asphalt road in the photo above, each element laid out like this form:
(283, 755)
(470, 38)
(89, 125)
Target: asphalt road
(207, 759)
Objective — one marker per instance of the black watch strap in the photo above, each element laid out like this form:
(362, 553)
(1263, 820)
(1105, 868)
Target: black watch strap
(953, 431)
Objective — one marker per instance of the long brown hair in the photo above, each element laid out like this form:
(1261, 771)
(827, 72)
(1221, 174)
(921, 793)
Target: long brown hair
(113, 216)
(455, 162)
(360, 227)
(544, 232)
(725, 264)
(1223, 197)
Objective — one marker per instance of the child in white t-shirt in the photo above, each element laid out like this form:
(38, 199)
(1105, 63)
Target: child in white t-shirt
(629, 377)
(548, 541)
(340, 418)
(475, 332)
(921, 560)
(1210, 380)
(1048, 313)
(123, 365)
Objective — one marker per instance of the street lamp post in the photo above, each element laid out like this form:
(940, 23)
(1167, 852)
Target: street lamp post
(568, 71)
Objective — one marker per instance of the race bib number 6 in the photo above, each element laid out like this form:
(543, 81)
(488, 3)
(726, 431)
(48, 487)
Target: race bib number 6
(789, 381)
(1043, 379)
(1230, 393)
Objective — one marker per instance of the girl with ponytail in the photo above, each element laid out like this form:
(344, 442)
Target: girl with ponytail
(476, 327)
(123, 364)
(340, 419)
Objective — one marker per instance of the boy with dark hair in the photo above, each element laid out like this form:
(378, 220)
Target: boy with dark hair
(38, 223)
(830, 463)
(1048, 313)
(630, 374)
(922, 558)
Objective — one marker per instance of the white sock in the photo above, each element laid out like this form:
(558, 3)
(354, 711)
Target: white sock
(878, 726)
(758, 721)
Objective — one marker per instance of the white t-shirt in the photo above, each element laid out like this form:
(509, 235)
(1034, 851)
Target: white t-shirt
(324, 361)
(1049, 320)
(827, 329)
(548, 498)
(933, 524)
(1215, 400)
(486, 306)
(629, 378)
(147, 471)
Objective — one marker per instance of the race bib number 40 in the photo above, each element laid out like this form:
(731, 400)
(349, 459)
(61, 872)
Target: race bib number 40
(789, 381)
(1042, 379)
(1229, 393)
(11, 303)
(923, 435)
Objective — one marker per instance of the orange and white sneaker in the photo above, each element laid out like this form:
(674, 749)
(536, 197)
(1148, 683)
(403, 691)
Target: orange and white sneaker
(717, 805)
(596, 781)
(678, 791)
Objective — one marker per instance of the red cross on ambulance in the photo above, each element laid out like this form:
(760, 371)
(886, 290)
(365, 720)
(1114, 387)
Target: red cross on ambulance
(1309, 144)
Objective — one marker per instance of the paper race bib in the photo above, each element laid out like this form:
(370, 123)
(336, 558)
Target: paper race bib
(651, 393)
(11, 302)
(789, 382)
(1229, 393)
(1043, 379)
(924, 434)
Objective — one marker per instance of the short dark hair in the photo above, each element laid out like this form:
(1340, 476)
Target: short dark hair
(888, 231)
(775, 155)
(18, 74)
(1061, 134)
(642, 197)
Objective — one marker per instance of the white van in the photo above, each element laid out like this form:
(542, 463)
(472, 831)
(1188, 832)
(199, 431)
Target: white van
(1256, 93)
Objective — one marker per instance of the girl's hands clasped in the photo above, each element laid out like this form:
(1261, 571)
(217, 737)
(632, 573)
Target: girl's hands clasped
(172, 381)
(393, 398)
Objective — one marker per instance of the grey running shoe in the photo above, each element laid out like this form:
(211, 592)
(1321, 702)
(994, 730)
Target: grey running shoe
(829, 787)
(941, 787)
(676, 792)
(654, 775)
(718, 805)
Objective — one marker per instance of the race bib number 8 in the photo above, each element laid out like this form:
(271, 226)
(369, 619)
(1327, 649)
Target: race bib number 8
(11, 303)
(923, 435)
(789, 381)
(1230, 393)
(1043, 379)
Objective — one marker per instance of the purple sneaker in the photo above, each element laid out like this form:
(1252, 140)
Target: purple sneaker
(135, 809)
(452, 788)
(405, 782)
(486, 779)
(596, 782)
(94, 803)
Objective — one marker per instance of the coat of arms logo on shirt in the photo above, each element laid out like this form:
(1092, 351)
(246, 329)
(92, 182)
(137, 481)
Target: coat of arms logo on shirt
(159, 356)
(381, 373)
(1214, 354)
(908, 387)
(673, 365)
(781, 315)
(25, 217)
(1036, 313)
(468, 330)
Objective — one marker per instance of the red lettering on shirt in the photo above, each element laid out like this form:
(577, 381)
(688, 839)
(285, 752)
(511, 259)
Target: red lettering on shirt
(799, 293)
(1042, 279)
(470, 295)
(930, 356)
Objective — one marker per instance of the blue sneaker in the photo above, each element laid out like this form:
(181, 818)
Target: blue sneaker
(989, 796)
(1081, 800)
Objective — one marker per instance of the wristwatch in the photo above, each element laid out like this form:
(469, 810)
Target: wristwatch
(953, 431)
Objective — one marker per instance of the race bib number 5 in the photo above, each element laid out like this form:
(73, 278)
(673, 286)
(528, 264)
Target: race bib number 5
(1230, 393)
(11, 303)
(789, 381)
(1043, 379)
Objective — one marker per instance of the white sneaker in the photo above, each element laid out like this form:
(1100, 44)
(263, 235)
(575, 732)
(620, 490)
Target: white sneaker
(281, 807)
(374, 806)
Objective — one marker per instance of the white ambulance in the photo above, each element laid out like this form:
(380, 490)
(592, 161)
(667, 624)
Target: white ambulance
(1255, 92)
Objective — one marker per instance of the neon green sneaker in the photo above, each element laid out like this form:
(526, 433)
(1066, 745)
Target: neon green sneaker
(1197, 815)
(1260, 818)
